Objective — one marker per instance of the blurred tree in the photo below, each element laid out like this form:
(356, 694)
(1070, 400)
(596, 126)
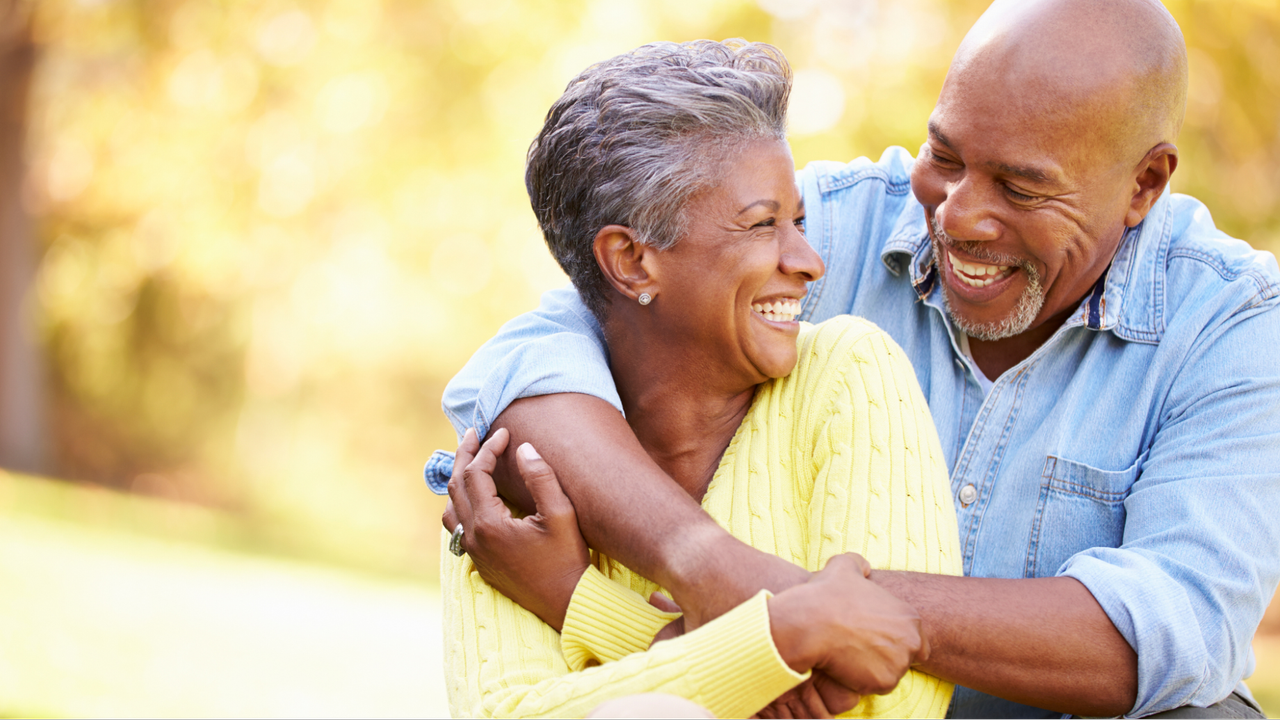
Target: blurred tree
(273, 229)
(21, 387)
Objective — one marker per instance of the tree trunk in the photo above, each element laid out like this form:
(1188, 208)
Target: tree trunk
(22, 428)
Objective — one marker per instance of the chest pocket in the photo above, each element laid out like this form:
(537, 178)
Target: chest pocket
(1080, 507)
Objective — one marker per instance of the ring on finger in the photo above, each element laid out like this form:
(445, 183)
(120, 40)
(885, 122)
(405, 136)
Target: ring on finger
(455, 542)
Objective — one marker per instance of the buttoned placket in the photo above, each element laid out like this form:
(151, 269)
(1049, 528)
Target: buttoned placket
(978, 458)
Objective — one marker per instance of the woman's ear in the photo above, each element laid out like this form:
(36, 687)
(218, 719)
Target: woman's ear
(626, 262)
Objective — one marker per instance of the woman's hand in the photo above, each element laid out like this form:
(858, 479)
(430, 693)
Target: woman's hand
(536, 560)
(817, 697)
(853, 630)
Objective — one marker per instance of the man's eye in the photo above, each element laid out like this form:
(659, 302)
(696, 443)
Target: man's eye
(800, 224)
(1021, 197)
(941, 160)
(764, 223)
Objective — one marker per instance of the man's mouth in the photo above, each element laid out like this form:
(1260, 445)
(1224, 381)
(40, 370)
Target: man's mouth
(977, 274)
(782, 310)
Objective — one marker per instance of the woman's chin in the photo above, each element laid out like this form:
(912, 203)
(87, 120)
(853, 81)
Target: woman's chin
(777, 364)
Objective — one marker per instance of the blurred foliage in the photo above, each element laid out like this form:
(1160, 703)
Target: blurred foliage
(271, 231)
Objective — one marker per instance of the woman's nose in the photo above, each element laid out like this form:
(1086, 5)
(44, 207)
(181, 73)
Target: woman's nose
(799, 258)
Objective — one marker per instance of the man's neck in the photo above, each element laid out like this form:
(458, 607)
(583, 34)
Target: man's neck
(994, 357)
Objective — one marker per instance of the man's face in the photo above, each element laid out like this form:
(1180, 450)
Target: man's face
(1025, 203)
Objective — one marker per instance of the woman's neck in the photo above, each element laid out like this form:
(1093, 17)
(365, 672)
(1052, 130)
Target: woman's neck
(682, 411)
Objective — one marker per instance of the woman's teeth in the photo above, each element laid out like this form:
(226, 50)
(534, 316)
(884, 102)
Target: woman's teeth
(976, 275)
(784, 310)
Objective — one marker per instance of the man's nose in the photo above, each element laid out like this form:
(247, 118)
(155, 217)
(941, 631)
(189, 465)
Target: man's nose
(969, 212)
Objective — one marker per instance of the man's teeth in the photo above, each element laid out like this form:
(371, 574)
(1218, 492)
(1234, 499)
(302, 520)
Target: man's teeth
(784, 310)
(976, 275)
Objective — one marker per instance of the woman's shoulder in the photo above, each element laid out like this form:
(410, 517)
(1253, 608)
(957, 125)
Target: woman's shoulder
(842, 342)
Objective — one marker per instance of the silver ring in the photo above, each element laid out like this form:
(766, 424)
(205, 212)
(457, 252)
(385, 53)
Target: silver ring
(455, 542)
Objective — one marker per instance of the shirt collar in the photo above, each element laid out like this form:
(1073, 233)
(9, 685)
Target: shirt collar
(1128, 300)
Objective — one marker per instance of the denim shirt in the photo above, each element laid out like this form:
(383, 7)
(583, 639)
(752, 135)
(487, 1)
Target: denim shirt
(1137, 450)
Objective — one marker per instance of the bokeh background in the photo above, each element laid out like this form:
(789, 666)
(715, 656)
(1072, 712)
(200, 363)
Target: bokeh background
(245, 243)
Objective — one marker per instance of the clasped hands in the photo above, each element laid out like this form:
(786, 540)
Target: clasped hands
(856, 637)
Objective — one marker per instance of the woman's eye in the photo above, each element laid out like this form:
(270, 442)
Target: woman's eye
(764, 223)
(800, 225)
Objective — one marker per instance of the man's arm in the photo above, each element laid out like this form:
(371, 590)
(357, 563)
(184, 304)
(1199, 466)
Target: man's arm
(630, 510)
(1043, 642)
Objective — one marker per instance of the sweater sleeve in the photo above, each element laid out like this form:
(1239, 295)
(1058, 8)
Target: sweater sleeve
(606, 622)
(880, 484)
(502, 661)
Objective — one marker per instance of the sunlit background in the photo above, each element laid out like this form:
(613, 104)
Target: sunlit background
(244, 244)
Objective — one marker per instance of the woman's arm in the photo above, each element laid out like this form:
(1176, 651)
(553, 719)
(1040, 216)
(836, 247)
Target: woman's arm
(505, 661)
(502, 661)
(840, 620)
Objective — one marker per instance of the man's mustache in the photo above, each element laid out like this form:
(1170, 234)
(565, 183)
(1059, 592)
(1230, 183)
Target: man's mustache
(979, 250)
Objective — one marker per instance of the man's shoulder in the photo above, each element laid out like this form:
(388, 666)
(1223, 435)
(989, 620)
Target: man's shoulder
(891, 174)
(1203, 262)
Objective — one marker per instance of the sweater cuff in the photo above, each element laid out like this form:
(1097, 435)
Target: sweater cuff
(736, 664)
(606, 621)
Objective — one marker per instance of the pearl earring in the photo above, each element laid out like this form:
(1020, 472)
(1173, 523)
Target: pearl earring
(645, 298)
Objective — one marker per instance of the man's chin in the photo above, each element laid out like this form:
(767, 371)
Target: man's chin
(1017, 321)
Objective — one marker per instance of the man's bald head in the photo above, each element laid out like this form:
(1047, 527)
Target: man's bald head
(1053, 134)
(1122, 64)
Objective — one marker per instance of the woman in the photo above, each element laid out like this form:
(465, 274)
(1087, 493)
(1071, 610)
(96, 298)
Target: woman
(665, 189)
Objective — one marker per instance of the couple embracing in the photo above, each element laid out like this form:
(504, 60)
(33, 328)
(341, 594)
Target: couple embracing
(1026, 464)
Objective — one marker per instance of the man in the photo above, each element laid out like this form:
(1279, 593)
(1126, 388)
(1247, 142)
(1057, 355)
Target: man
(1096, 355)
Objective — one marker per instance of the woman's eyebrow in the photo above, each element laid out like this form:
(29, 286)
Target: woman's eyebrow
(770, 204)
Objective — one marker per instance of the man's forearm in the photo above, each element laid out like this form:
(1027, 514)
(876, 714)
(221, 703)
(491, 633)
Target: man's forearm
(1042, 642)
(630, 510)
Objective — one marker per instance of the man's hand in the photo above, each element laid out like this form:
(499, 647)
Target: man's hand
(536, 560)
(855, 631)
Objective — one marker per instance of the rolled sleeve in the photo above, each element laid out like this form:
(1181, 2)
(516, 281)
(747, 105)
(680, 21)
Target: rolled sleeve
(558, 348)
(1200, 558)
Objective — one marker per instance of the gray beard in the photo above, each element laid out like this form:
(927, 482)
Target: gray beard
(1024, 312)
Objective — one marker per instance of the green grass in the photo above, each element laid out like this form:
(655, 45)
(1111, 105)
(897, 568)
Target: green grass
(115, 605)
(108, 617)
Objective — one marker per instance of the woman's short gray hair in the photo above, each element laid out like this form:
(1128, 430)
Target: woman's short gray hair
(634, 137)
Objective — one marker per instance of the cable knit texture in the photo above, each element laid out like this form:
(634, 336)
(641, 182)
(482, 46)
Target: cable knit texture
(839, 456)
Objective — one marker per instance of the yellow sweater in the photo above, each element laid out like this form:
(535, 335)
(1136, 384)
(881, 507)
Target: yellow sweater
(841, 455)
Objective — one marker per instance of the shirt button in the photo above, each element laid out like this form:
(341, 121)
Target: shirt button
(968, 494)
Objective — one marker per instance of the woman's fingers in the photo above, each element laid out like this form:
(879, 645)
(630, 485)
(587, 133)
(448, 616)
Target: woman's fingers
(813, 702)
(457, 482)
(478, 487)
(836, 698)
(543, 485)
(663, 603)
(450, 517)
(854, 559)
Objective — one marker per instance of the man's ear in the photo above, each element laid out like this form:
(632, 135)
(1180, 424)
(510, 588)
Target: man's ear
(1153, 177)
(626, 262)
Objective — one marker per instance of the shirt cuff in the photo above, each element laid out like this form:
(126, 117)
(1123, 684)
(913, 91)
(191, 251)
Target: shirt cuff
(606, 621)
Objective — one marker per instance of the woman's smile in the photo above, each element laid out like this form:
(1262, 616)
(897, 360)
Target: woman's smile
(778, 311)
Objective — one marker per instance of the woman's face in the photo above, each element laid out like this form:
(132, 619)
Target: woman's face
(731, 287)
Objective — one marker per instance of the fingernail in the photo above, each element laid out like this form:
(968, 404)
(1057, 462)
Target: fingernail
(528, 453)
